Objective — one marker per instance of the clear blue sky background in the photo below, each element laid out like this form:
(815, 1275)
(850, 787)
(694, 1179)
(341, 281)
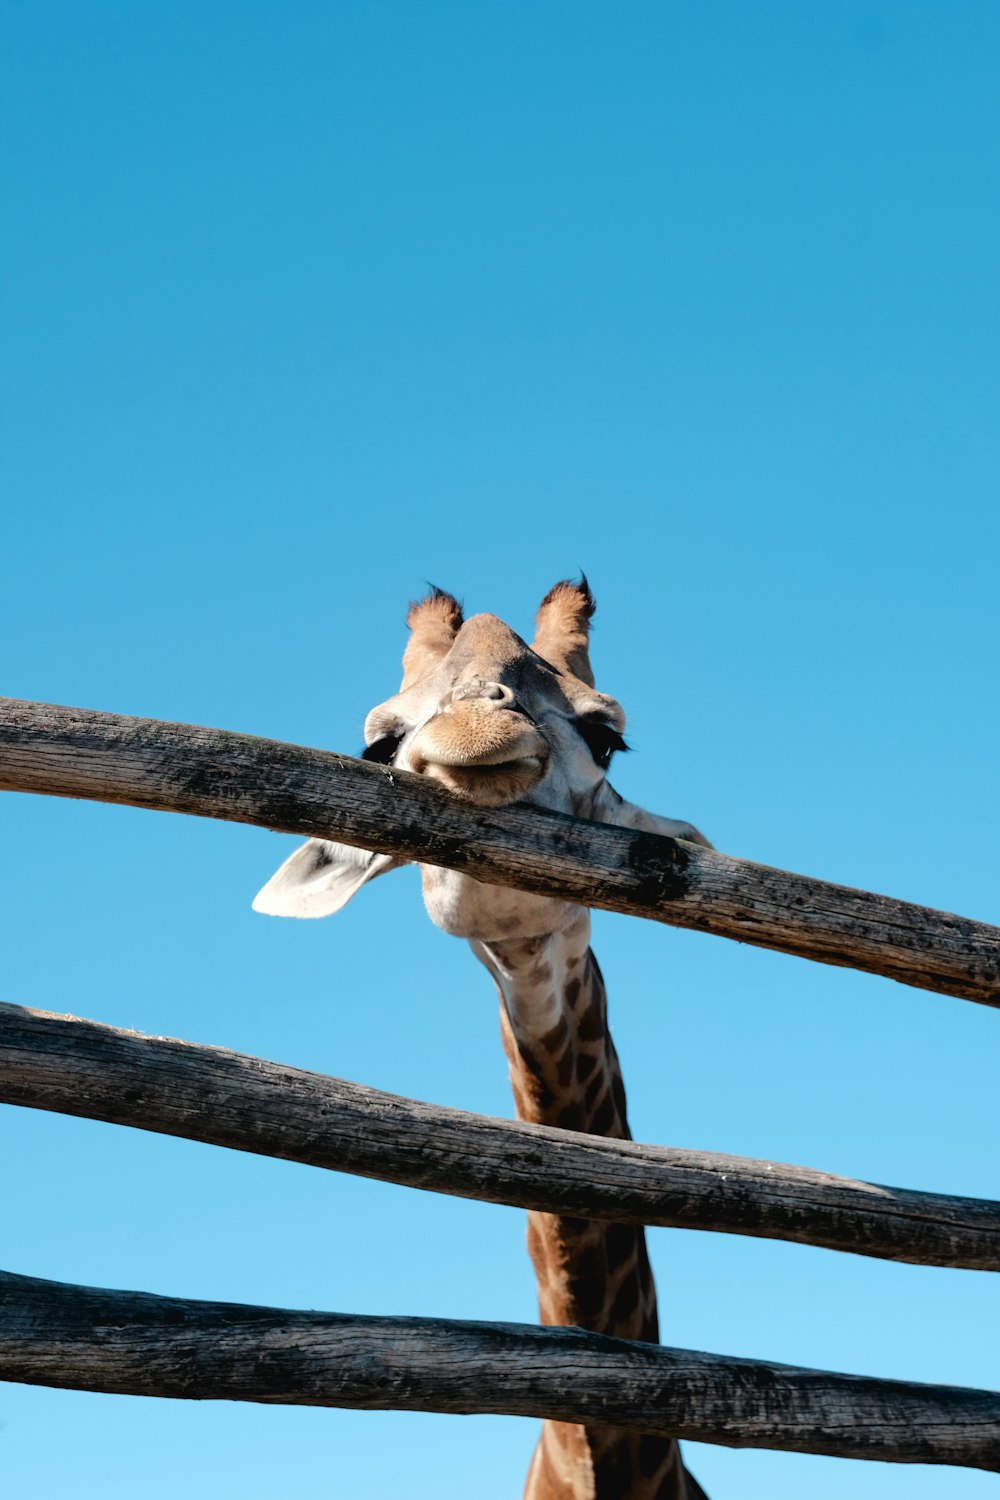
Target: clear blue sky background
(305, 304)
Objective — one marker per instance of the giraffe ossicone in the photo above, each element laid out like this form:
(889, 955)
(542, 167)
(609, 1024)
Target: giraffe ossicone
(497, 722)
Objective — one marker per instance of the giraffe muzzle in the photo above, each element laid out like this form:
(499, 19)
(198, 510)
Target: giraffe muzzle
(481, 751)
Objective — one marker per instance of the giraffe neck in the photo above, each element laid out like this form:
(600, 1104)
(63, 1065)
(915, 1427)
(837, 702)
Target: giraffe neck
(564, 1072)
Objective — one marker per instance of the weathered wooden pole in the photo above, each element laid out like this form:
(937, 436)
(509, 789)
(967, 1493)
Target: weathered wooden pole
(226, 1099)
(213, 773)
(86, 1338)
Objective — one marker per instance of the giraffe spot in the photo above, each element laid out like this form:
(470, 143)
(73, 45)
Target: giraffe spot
(541, 1098)
(570, 1117)
(592, 1090)
(555, 1038)
(589, 1265)
(572, 991)
(596, 976)
(619, 1244)
(651, 1453)
(586, 1062)
(613, 1473)
(603, 1118)
(588, 1298)
(528, 1062)
(626, 1301)
(530, 947)
(591, 1027)
(564, 1068)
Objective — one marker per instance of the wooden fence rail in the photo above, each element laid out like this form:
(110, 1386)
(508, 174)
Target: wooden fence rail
(228, 1099)
(133, 1343)
(92, 1339)
(73, 752)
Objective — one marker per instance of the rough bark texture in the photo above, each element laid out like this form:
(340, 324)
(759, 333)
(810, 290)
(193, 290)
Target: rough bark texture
(72, 752)
(228, 1099)
(86, 1338)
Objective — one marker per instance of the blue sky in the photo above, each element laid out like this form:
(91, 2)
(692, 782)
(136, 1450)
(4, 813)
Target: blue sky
(305, 305)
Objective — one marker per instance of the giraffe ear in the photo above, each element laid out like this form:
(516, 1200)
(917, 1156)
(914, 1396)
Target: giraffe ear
(628, 815)
(562, 628)
(434, 622)
(320, 878)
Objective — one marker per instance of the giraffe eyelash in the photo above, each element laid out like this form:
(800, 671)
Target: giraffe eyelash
(601, 739)
(382, 750)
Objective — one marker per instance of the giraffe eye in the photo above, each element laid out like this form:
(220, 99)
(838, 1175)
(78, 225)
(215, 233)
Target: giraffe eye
(383, 749)
(601, 739)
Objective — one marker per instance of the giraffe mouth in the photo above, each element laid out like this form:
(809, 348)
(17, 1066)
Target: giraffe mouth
(496, 760)
(490, 757)
(491, 783)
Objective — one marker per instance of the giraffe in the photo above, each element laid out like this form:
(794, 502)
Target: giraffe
(495, 722)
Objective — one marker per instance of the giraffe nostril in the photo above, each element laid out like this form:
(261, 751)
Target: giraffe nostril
(493, 692)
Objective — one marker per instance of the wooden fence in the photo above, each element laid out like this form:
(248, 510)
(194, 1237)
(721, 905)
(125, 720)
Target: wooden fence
(92, 1339)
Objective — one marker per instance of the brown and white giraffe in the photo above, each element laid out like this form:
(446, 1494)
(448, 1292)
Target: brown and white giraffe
(496, 721)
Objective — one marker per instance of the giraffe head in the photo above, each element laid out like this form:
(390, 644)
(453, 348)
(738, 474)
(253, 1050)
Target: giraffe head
(494, 721)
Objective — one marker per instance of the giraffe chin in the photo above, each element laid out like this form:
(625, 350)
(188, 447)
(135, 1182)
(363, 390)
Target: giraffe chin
(489, 785)
(463, 907)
